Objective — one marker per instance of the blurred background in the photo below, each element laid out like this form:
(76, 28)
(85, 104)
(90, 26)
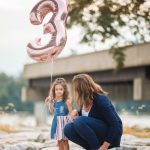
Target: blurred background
(109, 40)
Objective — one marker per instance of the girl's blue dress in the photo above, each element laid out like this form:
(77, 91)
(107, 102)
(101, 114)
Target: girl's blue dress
(60, 110)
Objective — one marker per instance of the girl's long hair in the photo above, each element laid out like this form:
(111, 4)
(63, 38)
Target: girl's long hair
(84, 88)
(63, 83)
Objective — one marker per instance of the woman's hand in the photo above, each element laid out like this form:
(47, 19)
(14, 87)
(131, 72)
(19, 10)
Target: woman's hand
(105, 146)
(74, 114)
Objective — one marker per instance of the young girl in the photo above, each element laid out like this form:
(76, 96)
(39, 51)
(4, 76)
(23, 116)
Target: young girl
(61, 107)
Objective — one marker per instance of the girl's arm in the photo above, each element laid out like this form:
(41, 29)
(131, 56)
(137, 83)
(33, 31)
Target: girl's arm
(51, 107)
(68, 104)
(73, 113)
(50, 104)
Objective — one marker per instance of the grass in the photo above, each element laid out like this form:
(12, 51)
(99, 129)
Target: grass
(7, 128)
(136, 131)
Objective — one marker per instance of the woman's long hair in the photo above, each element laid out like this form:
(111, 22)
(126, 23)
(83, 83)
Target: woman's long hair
(63, 83)
(84, 88)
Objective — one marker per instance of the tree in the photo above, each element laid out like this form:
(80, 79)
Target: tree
(103, 20)
(10, 94)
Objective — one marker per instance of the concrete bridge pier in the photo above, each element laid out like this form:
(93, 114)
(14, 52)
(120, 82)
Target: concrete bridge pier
(130, 83)
(40, 112)
(40, 109)
(140, 88)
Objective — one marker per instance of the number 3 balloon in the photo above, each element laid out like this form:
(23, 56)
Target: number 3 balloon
(56, 26)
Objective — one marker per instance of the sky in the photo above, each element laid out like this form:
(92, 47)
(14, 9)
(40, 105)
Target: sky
(16, 31)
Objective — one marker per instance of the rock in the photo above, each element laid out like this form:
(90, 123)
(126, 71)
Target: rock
(40, 138)
(21, 146)
(2, 147)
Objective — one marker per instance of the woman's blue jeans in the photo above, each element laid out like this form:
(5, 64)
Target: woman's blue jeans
(87, 132)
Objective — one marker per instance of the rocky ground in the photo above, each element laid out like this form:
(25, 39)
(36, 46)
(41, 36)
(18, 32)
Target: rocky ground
(25, 135)
(38, 139)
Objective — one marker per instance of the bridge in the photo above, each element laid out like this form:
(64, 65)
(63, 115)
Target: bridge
(132, 82)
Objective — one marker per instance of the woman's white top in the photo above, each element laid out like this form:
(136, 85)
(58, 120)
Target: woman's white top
(85, 113)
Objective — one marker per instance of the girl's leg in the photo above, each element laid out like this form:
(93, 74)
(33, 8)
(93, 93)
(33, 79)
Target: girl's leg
(66, 144)
(73, 136)
(60, 145)
(92, 130)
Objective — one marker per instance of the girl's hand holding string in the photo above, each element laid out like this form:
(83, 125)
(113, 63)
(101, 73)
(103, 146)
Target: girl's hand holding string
(49, 103)
(48, 100)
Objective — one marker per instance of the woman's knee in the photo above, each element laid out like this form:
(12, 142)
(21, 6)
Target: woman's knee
(79, 121)
(67, 129)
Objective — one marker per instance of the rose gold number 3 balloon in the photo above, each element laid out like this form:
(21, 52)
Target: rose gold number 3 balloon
(56, 27)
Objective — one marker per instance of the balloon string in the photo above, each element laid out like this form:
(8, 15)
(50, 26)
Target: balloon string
(51, 81)
(51, 74)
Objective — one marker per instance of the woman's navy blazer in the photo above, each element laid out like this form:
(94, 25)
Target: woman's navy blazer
(104, 110)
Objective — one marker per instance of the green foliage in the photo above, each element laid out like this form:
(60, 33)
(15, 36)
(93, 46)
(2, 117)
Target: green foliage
(119, 57)
(102, 20)
(10, 94)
